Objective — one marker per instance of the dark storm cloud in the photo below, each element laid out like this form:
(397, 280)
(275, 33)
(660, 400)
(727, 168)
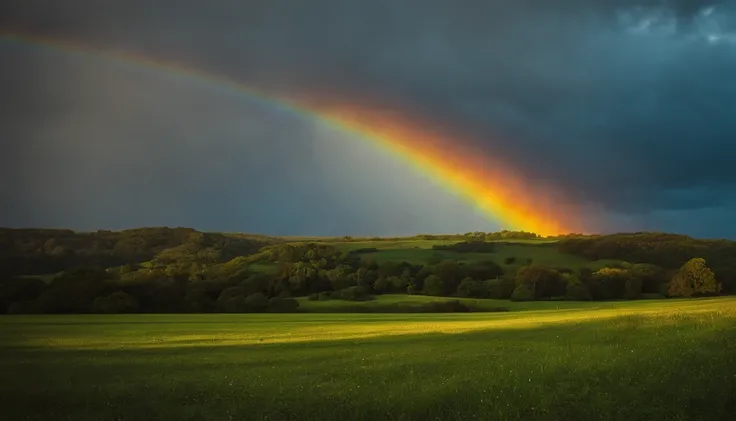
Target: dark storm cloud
(629, 105)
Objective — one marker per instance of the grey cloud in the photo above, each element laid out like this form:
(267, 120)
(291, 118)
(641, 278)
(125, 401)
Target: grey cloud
(120, 147)
(626, 104)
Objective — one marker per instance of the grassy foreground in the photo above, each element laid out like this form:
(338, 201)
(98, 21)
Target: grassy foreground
(664, 360)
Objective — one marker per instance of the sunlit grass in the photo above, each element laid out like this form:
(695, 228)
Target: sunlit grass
(239, 329)
(622, 361)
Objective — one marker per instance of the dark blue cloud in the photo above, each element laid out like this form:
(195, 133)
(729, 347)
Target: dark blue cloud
(627, 104)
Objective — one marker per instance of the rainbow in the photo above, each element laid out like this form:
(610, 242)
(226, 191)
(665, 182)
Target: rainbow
(495, 189)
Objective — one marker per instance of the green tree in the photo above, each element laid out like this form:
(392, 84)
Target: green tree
(382, 285)
(483, 270)
(451, 274)
(471, 288)
(434, 285)
(398, 283)
(694, 278)
(544, 281)
(651, 276)
(339, 278)
(609, 282)
(501, 288)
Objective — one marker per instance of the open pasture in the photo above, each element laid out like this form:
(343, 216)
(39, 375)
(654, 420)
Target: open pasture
(664, 360)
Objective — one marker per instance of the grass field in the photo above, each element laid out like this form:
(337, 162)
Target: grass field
(649, 360)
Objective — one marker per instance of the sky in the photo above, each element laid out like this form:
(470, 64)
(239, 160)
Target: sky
(628, 107)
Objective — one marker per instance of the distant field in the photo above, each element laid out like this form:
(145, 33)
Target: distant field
(649, 360)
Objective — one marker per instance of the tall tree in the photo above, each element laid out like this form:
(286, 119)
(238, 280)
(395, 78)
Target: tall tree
(694, 278)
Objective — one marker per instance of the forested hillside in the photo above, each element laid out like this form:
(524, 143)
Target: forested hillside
(183, 270)
(665, 250)
(42, 251)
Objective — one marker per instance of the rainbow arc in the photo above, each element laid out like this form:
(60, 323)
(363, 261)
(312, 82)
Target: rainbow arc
(492, 187)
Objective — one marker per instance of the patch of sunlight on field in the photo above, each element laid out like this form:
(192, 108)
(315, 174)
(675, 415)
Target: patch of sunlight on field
(275, 329)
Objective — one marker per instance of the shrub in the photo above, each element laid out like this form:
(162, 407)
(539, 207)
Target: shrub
(509, 260)
(313, 297)
(324, 296)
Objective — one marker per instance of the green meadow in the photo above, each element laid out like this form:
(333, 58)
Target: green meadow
(636, 360)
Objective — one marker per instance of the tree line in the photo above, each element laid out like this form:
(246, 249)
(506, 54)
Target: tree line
(669, 251)
(182, 270)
